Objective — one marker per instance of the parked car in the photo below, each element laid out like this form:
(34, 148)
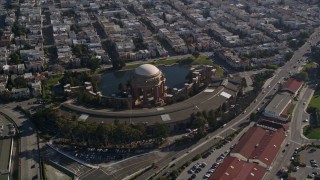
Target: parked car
(302, 165)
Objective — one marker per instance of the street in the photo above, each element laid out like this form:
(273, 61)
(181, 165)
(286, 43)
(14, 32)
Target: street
(29, 153)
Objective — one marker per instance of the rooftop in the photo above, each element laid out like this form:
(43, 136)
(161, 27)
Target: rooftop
(292, 85)
(261, 144)
(147, 70)
(278, 103)
(234, 168)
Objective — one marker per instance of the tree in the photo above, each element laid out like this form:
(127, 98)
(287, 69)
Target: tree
(15, 58)
(20, 82)
(5, 96)
(56, 68)
(196, 54)
(288, 56)
(120, 87)
(198, 122)
(253, 116)
(302, 76)
(160, 131)
(224, 107)
(93, 63)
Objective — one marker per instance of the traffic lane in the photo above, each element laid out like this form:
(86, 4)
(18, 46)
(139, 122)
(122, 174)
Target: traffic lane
(5, 145)
(131, 165)
(28, 140)
(97, 174)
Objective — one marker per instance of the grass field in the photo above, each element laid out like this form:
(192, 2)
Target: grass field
(309, 65)
(202, 59)
(51, 81)
(315, 101)
(219, 72)
(312, 133)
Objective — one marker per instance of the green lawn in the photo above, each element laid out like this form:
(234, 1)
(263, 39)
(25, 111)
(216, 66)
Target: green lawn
(313, 133)
(309, 65)
(202, 59)
(51, 81)
(219, 72)
(315, 101)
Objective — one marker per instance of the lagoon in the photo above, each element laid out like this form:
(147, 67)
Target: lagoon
(175, 75)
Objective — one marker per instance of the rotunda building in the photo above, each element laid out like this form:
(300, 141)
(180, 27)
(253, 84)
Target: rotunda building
(148, 85)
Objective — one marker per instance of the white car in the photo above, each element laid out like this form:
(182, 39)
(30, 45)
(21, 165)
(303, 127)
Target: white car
(207, 175)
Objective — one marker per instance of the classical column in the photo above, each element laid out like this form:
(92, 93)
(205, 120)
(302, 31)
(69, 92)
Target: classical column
(156, 94)
(145, 96)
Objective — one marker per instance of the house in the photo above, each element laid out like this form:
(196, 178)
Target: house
(232, 59)
(36, 88)
(20, 93)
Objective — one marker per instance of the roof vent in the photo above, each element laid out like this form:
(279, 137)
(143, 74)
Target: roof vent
(226, 174)
(255, 169)
(251, 174)
(257, 145)
(266, 159)
(232, 167)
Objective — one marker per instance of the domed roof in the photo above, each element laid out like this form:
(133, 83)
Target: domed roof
(146, 70)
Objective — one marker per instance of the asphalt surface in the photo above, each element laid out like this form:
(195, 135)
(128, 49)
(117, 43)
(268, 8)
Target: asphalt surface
(5, 144)
(29, 154)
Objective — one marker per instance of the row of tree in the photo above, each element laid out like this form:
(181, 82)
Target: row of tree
(98, 135)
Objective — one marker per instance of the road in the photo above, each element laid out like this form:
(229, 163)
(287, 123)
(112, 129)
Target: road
(273, 83)
(29, 153)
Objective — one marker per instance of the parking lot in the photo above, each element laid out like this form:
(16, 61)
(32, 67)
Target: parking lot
(305, 157)
(205, 166)
(99, 155)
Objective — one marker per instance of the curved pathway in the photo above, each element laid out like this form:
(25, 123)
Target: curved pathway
(197, 102)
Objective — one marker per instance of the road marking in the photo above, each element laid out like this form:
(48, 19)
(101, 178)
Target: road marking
(295, 142)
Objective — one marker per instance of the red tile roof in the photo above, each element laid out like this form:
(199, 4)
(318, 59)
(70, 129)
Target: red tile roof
(248, 141)
(292, 85)
(260, 144)
(235, 169)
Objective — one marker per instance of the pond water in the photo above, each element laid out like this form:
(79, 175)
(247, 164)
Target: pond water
(175, 75)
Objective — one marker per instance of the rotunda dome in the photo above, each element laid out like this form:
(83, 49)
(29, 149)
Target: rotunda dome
(147, 70)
